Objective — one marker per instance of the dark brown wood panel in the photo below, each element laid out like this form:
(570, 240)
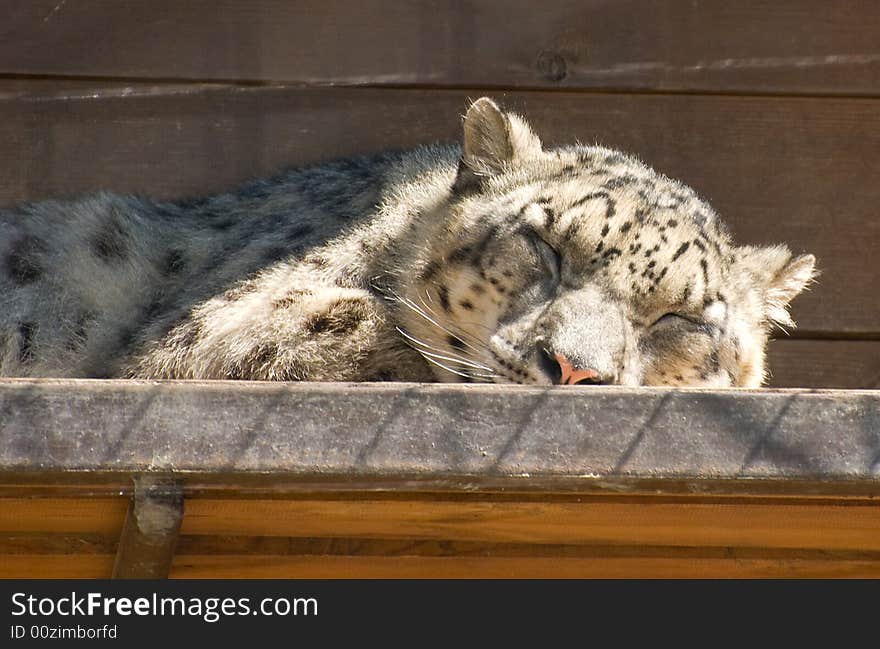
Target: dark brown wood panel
(41, 566)
(684, 567)
(757, 45)
(847, 364)
(778, 169)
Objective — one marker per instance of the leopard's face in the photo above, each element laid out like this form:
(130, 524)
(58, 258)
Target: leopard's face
(581, 265)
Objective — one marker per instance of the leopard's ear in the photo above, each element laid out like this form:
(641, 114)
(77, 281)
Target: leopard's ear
(492, 141)
(780, 278)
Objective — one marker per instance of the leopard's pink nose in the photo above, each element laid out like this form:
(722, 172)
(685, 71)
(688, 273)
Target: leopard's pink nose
(571, 375)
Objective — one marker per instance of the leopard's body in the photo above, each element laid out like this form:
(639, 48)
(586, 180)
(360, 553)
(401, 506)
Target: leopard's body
(493, 261)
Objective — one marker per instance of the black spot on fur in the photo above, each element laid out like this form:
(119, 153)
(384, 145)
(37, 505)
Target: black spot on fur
(155, 307)
(293, 297)
(174, 263)
(478, 289)
(681, 250)
(22, 263)
(610, 205)
(339, 318)
(79, 335)
(605, 229)
(261, 355)
(687, 293)
(699, 244)
(481, 247)
(619, 181)
(431, 271)
(626, 226)
(614, 159)
(443, 294)
(110, 243)
(27, 331)
(467, 305)
(705, 267)
(460, 254)
(611, 253)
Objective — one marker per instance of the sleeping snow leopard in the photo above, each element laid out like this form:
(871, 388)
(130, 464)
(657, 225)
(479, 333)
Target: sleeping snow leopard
(496, 261)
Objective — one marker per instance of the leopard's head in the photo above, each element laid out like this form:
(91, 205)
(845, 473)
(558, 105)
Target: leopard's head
(582, 265)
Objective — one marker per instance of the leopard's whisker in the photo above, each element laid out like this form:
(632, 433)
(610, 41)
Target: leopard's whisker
(415, 308)
(469, 375)
(442, 354)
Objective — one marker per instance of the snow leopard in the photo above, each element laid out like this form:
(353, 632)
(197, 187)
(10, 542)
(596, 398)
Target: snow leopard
(491, 260)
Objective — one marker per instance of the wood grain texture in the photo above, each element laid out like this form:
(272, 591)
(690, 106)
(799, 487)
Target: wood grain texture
(707, 46)
(458, 435)
(59, 566)
(771, 551)
(850, 526)
(777, 169)
(99, 515)
(847, 364)
(284, 567)
(213, 566)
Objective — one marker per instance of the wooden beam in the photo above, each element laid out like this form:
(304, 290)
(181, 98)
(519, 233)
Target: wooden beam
(711, 46)
(149, 534)
(444, 437)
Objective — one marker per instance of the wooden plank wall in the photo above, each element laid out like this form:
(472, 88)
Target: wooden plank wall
(442, 536)
(769, 108)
